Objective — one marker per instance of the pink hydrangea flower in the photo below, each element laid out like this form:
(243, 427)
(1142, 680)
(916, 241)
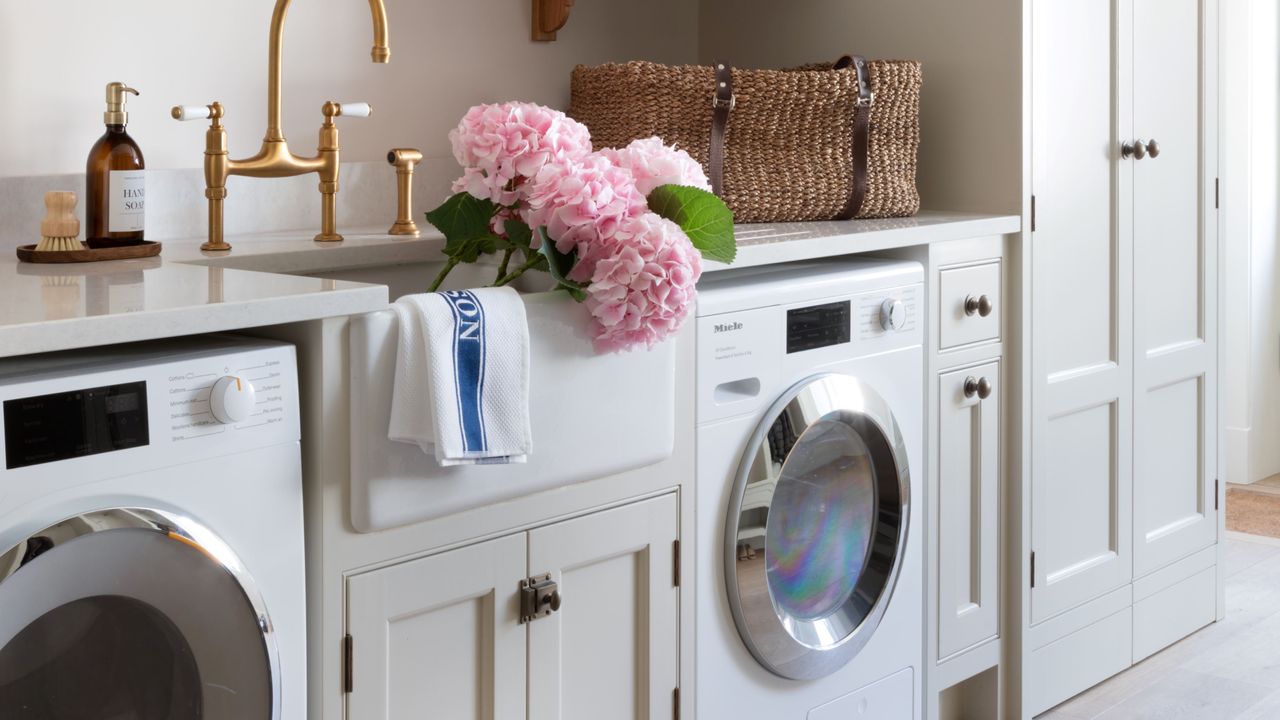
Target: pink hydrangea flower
(502, 145)
(644, 284)
(582, 205)
(653, 163)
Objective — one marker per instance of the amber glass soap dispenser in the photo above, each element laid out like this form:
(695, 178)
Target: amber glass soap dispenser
(115, 183)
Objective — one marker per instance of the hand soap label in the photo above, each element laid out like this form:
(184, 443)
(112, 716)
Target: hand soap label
(128, 201)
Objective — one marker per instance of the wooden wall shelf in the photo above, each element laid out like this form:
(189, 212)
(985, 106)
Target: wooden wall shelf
(548, 17)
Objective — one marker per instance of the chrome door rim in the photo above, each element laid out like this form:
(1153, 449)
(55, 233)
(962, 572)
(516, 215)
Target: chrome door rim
(771, 639)
(179, 529)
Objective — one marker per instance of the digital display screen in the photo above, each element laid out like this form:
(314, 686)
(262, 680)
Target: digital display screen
(818, 326)
(60, 426)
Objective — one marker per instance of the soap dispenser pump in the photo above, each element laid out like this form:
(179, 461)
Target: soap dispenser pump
(115, 181)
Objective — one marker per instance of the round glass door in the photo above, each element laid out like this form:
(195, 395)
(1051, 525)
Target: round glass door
(132, 613)
(816, 528)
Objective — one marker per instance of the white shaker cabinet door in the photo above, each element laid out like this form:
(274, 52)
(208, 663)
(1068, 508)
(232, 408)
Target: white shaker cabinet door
(612, 650)
(1175, 248)
(968, 508)
(1082, 303)
(440, 637)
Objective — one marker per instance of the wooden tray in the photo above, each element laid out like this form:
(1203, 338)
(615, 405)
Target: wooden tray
(28, 253)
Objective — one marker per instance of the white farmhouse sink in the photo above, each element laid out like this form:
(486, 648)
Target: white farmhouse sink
(593, 415)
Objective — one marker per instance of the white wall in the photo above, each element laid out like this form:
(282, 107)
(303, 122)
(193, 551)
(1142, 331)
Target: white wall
(1251, 207)
(56, 56)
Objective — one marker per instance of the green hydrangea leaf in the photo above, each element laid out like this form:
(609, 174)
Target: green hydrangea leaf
(558, 266)
(463, 219)
(704, 218)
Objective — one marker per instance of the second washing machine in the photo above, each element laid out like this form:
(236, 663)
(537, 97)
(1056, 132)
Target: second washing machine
(810, 575)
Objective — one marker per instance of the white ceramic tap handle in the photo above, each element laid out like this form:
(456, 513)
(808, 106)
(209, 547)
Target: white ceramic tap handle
(356, 109)
(190, 112)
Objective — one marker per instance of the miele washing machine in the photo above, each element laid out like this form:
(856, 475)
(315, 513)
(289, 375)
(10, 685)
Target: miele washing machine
(151, 546)
(810, 574)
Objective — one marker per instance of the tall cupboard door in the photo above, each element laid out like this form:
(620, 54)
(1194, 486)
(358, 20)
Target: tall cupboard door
(1175, 248)
(1082, 303)
(612, 650)
(463, 601)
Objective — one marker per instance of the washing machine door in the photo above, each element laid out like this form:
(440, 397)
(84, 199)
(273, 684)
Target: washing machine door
(817, 527)
(132, 613)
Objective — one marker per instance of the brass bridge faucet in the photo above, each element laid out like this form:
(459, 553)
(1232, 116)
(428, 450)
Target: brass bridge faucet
(275, 160)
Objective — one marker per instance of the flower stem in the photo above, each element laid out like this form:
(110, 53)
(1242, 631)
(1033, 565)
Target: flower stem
(507, 279)
(506, 261)
(444, 273)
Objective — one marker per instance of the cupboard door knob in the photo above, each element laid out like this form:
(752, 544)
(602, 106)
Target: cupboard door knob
(1153, 149)
(1137, 150)
(977, 386)
(553, 600)
(980, 305)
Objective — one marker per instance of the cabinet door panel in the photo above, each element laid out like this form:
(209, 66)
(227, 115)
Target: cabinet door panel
(1082, 303)
(1175, 248)
(439, 636)
(968, 511)
(612, 651)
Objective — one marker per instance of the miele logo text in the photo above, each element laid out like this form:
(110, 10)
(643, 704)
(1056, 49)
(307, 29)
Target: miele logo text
(728, 327)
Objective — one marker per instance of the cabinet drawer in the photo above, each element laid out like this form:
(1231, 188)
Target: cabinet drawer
(965, 294)
(968, 507)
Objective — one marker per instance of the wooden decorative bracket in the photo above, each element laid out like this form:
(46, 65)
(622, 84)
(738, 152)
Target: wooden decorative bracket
(548, 17)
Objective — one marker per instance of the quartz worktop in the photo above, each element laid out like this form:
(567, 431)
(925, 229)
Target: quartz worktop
(261, 282)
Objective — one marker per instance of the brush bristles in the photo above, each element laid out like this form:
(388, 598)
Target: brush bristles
(59, 244)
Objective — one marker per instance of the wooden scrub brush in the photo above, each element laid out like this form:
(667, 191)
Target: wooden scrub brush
(60, 230)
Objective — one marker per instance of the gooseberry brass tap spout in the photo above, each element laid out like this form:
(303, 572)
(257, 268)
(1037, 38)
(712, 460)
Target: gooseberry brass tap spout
(275, 160)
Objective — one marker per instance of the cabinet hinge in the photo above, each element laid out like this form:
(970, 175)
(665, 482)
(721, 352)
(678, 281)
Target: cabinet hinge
(1215, 493)
(675, 704)
(1033, 568)
(1033, 213)
(1217, 193)
(348, 666)
(675, 563)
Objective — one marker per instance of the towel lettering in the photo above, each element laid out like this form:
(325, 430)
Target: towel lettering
(469, 367)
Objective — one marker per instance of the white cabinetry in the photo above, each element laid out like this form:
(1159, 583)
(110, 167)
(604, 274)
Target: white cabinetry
(443, 632)
(1123, 334)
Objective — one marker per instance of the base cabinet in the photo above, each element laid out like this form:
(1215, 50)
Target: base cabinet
(444, 633)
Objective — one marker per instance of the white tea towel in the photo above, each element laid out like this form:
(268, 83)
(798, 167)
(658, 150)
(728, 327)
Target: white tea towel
(462, 376)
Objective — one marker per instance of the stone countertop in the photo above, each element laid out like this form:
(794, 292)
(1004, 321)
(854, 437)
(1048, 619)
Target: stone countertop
(186, 291)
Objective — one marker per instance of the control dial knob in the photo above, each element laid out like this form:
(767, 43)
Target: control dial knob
(232, 400)
(893, 315)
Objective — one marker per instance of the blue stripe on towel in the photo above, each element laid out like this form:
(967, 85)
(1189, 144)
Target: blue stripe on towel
(469, 366)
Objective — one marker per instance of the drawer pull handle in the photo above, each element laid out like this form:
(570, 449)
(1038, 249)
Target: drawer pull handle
(977, 386)
(980, 305)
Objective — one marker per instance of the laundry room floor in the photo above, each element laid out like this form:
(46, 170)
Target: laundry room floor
(1230, 670)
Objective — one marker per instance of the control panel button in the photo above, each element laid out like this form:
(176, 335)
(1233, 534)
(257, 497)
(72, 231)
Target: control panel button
(893, 315)
(233, 399)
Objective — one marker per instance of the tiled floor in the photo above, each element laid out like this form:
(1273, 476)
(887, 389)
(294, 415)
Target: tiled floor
(1227, 671)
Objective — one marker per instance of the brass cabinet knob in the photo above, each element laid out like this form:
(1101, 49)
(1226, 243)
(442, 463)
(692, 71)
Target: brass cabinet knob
(553, 600)
(977, 386)
(1153, 149)
(1139, 150)
(980, 305)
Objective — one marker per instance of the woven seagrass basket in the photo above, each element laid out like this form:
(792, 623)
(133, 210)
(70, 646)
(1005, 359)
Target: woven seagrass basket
(820, 142)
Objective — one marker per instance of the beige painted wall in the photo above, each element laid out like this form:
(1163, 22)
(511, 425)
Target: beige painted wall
(971, 106)
(56, 56)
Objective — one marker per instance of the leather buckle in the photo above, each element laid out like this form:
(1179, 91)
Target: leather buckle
(868, 101)
(718, 102)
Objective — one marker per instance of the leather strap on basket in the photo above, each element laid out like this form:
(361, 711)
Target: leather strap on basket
(861, 134)
(721, 104)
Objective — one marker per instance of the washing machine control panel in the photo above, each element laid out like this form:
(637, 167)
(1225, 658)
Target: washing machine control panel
(151, 405)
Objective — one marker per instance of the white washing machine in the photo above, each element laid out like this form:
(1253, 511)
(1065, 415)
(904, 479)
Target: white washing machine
(151, 547)
(809, 558)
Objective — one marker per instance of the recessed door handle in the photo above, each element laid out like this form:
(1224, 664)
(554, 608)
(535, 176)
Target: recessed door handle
(980, 305)
(981, 387)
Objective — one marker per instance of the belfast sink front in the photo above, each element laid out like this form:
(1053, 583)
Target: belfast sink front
(593, 415)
